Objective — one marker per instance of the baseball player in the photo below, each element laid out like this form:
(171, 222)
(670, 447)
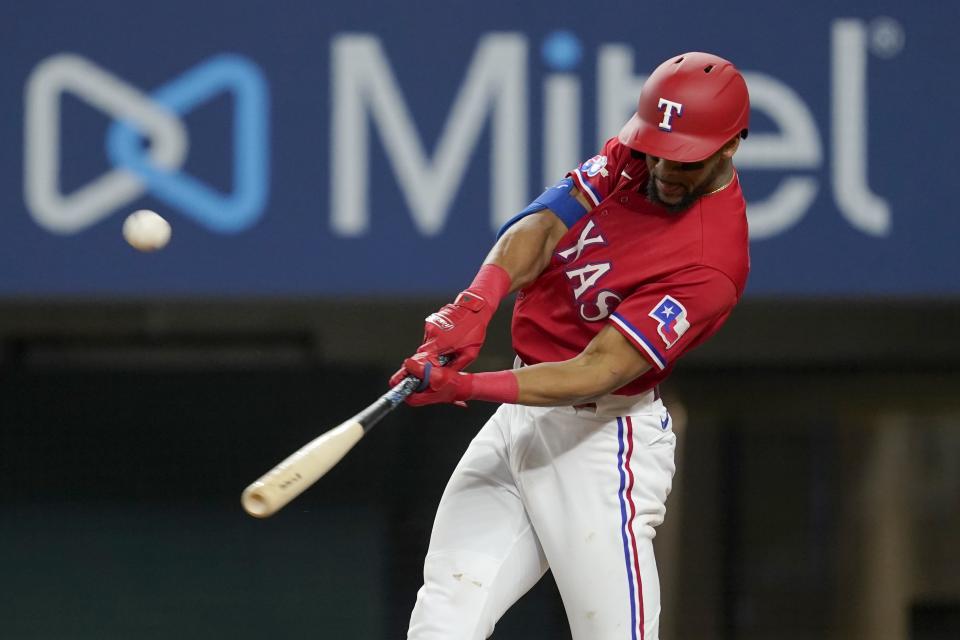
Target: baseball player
(633, 259)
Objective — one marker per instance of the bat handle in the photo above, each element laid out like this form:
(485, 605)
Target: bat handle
(407, 386)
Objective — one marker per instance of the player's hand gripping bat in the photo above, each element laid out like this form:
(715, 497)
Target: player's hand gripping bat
(310, 462)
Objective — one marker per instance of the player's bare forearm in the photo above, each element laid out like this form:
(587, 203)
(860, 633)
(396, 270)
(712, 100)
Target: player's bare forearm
(524, 250)
(608, 363)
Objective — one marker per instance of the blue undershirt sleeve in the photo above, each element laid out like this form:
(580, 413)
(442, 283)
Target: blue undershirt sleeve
(558, 199)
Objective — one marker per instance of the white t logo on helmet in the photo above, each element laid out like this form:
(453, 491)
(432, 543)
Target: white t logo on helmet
(671, 108)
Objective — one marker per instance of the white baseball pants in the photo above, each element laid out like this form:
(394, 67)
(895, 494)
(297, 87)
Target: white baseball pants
(578, 491)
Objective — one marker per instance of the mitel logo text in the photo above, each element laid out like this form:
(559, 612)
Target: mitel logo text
(495, 87)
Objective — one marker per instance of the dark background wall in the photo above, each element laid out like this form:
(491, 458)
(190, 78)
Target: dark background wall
(125, 450)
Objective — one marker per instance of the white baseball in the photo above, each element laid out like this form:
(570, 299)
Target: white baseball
(145, 230)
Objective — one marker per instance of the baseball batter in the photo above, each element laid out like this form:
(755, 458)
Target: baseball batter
(633, 259)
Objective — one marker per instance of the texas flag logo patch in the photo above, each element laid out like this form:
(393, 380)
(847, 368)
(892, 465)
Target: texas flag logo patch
(671, 317)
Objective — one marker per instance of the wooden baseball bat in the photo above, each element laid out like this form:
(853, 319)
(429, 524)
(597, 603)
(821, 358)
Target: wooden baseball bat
(310, 462)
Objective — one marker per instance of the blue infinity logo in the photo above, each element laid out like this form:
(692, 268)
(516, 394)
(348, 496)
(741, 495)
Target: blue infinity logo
(223, 213)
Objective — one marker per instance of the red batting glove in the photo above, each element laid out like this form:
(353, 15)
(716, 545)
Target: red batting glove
(440, 384)
(459, 329)
(402, 372)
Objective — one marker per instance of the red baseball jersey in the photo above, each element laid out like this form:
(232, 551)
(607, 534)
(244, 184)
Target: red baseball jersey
(666, 281)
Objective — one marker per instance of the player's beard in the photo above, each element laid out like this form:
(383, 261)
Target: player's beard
(687, 200)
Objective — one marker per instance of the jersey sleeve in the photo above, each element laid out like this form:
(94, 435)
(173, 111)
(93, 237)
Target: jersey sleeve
(597, 177)
(666, 319)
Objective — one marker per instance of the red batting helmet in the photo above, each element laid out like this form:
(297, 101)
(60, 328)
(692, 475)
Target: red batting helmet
(690, 106)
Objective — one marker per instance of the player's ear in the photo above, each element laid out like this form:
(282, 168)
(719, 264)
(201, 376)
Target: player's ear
(730, 148)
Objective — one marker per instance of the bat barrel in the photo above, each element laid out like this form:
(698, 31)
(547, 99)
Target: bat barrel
(256, 503)
(294, 475)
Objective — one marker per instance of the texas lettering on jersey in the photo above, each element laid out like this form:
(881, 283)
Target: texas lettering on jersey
(593, 305)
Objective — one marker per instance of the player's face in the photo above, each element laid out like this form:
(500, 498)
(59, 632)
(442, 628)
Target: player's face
(677, 185)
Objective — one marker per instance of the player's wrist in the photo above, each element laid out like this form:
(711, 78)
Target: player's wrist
(489, 386)
(491, 285)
